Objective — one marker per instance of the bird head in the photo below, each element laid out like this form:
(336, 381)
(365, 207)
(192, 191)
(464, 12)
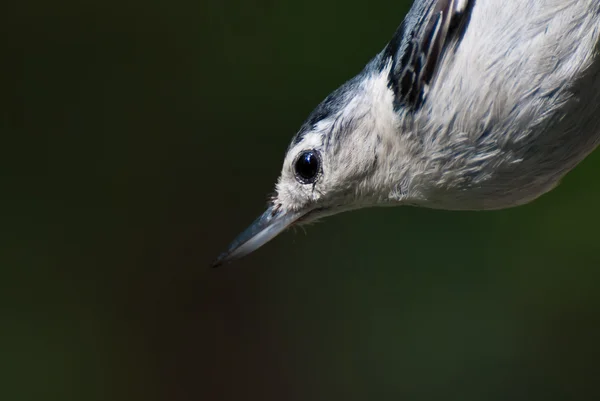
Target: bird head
(336, 162)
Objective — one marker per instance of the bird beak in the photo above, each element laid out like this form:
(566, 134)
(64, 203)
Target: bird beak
(272, 222)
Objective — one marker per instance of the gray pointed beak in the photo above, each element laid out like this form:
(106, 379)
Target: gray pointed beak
(272, 222)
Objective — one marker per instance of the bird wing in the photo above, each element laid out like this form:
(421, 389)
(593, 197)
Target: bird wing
(419, 44)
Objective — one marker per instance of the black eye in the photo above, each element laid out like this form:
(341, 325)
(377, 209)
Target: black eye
(308, 166)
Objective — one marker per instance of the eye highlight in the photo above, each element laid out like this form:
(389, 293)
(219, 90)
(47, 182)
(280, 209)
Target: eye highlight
(307, 166)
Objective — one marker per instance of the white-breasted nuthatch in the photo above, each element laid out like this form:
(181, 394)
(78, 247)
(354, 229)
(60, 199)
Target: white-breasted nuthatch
(473, 104)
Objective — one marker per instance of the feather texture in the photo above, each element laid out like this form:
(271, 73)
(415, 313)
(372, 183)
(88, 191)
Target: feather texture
(419, 44)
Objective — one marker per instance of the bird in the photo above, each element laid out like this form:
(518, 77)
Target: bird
(472, 105)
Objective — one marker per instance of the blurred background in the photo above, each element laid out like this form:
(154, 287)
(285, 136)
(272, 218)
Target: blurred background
(140, 137)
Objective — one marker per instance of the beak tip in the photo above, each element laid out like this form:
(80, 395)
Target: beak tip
(219, 261)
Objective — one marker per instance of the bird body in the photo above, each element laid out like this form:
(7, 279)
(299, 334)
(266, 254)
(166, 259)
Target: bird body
(473, 104)
(522, 104)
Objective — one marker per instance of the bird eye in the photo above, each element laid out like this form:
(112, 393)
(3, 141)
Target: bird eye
(308, 166)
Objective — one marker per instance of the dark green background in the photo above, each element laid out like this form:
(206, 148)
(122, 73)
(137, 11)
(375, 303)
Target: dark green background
(139, 137)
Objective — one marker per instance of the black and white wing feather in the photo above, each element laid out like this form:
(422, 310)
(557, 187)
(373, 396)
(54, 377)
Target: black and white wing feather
(419, 44)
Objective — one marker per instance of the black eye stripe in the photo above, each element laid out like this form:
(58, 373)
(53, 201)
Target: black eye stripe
(307, 166)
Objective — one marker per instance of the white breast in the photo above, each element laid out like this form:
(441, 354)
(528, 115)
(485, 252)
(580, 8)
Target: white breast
(515, 107)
